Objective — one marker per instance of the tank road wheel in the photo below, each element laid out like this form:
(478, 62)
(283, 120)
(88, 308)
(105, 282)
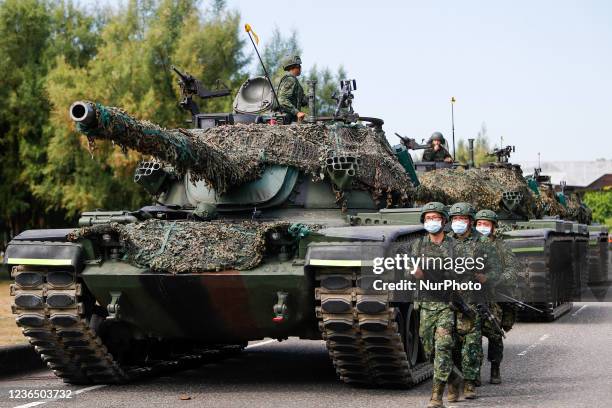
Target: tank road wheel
(72, 336)
(410, 335)
(371, 342)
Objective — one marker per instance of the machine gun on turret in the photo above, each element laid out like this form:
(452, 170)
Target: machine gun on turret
(191, 86)
(344, 98)
(411, 144)
(502, 154)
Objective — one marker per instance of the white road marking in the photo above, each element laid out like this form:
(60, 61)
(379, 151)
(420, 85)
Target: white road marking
(579, 310)
(534, 345)
(76, 392)
(261, 343)
(95, 387)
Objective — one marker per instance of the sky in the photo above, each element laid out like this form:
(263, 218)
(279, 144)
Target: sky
(538, 73)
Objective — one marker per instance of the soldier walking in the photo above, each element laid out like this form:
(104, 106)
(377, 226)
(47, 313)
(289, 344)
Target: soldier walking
(468, 348)
(437, 319)
(290, 92)
(486, 222)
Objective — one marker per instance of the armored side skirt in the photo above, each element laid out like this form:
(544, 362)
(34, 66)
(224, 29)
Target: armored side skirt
(553, 267)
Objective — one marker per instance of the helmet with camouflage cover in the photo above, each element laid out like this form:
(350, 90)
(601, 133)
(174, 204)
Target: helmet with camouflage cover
(292, 61)
(462, 209)
(486, 215)
(437, 136)
(434, 206)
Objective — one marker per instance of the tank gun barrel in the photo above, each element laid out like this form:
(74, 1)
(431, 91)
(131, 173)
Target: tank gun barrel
(183, 149)
(82, 112)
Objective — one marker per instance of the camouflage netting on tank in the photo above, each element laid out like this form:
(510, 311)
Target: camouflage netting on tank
(576, 210)
(483, 187)
(187, 246)
(226, 156)
(547, 203)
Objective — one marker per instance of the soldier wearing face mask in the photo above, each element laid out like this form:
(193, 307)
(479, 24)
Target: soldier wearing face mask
(486, 222)
(437, 319)
(468, 348)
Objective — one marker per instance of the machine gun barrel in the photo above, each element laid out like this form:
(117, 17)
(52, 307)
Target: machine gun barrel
(411, 144)
(180, 74)
(520, 304)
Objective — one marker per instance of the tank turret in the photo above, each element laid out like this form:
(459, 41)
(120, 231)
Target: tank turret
(347, 156)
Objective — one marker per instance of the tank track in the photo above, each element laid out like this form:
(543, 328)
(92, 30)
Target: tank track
(362, 335)
(51, 310)
(544, 285)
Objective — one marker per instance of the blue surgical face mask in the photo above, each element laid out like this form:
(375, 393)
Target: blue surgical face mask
(483, 230)
(459, 227)
(432, 226)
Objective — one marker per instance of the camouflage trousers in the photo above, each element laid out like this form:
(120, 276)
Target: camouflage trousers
(436, 332)
(467, 353)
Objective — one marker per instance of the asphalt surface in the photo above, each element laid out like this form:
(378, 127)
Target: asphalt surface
(567, 363)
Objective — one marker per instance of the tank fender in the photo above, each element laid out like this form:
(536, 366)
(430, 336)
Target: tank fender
(44, 254)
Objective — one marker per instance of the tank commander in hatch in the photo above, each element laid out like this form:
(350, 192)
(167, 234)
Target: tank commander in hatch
(436, 151)
(290, 92)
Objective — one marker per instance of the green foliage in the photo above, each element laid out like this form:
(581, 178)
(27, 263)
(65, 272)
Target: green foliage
(276, 50)
(601, 204)
(25, 28)
(481, 148)
(55, 52)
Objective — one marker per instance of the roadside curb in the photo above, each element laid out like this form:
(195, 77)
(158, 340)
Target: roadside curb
(19, 358)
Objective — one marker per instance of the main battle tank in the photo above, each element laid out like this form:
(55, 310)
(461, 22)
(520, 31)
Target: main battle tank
(547, 231)
(247, 238)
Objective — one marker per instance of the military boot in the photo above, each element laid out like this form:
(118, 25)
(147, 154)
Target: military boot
(437, 392)
(454, 385)
(469, 389)
(495, 374)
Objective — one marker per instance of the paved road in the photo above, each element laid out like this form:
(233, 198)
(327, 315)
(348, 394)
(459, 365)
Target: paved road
(567, 363)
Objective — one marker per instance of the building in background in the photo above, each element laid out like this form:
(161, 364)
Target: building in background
(574, 173)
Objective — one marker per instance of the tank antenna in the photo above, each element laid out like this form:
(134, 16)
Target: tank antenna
(453, 100)
(251, 33)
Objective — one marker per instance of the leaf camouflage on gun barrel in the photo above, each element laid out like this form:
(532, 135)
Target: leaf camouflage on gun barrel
(226, 156)
(189, 246)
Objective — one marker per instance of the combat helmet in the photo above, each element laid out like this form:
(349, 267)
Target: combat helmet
(486, 215)
(434, 206)
(462, 209)
(437, 136)
(291, 61)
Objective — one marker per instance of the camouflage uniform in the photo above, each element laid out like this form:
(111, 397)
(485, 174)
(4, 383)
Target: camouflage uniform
(468, 349)
(291, 96)
(500, 255)
(431, 155)
(437, 319)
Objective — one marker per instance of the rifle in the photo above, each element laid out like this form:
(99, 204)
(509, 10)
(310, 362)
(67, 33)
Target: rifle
(191, 86)
(485, 313)
(518, 303)
(459, 305)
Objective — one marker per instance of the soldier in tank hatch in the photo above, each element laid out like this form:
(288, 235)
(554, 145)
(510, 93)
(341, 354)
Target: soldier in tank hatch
(290, 92)
(437, 151)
